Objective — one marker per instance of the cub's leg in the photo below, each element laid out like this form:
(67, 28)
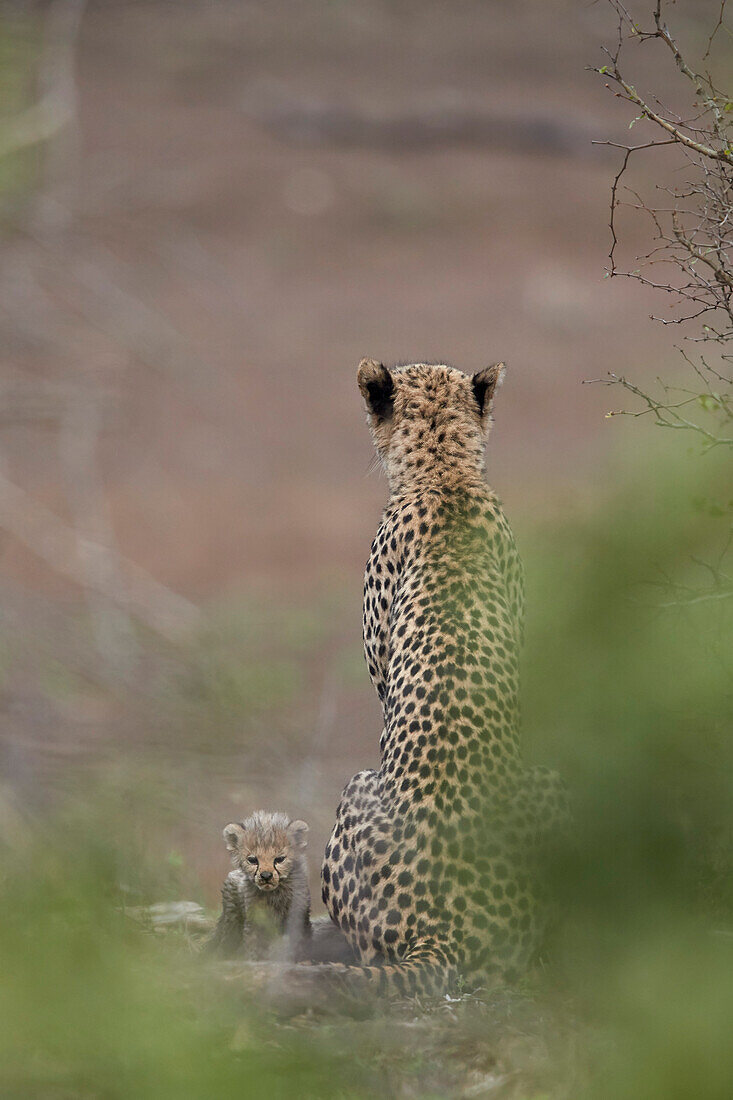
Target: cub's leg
(327, 944)
(227, 939)
(298, 928)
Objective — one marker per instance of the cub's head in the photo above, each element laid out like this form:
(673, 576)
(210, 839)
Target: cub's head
(428, 421)
(266, 847)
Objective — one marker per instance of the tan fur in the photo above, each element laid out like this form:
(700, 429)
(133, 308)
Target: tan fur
(435, 432)
(428, 869)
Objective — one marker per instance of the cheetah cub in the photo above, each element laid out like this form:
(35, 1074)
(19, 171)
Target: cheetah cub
(265, 899)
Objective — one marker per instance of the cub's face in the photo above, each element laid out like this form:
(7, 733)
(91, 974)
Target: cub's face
(266, 849)
(427, 415)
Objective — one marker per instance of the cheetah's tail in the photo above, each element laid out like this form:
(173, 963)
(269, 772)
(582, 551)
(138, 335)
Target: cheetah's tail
(424, 970)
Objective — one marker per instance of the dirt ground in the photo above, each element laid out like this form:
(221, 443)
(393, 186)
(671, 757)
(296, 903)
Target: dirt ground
(254, 196)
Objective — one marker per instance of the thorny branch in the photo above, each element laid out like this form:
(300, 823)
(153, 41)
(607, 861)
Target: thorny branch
(691, 254)
(692, 226)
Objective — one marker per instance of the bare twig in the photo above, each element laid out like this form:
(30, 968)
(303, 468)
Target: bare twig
(628, 150)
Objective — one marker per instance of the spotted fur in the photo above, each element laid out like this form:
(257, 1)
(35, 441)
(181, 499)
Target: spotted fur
(429, 869)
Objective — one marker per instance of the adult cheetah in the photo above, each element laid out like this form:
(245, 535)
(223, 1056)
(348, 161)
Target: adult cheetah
(428, 871)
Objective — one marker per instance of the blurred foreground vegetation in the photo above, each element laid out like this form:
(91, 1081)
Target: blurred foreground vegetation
(628, 683)
(629, 678)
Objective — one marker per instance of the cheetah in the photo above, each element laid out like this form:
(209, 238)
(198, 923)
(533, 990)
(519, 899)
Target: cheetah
(428, 871)
(266, 896)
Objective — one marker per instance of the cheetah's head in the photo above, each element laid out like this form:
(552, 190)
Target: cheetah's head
(428, 420)
(266, 847)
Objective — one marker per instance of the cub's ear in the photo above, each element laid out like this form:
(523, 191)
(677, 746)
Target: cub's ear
(377, 388)
(485, 384)
(298, 831)
(232, 836)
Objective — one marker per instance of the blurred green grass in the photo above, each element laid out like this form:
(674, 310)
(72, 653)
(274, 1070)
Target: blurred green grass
(628, 677)
(92, 1006)
(19, 48)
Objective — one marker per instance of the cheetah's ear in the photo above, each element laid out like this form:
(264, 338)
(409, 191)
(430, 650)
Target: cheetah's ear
(232, 836)
(485, 383)
(298, 831)
(377, 387)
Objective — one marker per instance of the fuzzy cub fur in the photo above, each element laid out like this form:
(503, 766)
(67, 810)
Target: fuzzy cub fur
(265, 898)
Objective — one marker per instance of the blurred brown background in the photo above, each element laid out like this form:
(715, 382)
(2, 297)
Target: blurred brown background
(211, 211)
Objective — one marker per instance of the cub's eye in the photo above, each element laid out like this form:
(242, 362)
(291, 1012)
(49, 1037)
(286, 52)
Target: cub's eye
(253, 860)
(279, 859)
